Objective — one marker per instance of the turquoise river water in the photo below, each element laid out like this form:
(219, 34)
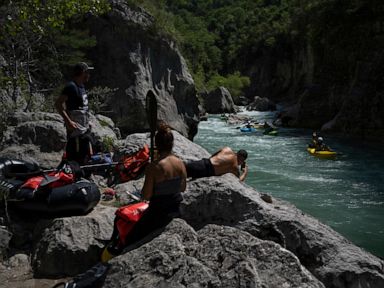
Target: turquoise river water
(346, 193)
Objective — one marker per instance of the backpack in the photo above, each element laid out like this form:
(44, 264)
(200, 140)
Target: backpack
(132, 165)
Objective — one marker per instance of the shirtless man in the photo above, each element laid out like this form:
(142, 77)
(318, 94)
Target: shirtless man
(222, 162)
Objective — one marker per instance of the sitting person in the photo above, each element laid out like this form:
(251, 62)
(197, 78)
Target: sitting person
(314, 140)
(267, 128)
(222, 162)
(248, 124)
(165, 179)
(320, 146)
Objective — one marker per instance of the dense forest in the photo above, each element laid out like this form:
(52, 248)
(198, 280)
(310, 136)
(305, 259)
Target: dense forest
(220, 38)
(225, 42)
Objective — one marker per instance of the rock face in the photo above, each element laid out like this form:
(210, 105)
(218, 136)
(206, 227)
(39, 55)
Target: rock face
(281, 72)
(69, 246)
(215, 256)
(261, 104)
(40, 137)
(183, 148)
(343, 96)
(219, 101)
(356, 111)
(130, 57)
(331, 258)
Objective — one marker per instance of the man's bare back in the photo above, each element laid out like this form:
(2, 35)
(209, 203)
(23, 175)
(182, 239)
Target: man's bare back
(224, 161)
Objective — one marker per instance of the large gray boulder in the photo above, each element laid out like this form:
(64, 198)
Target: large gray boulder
(261, 104)
(215, 256)
(69, 246)
(219, 101)
(45, 130)
(330, 257)
(130, 57)
(40, 137)
(183, 147)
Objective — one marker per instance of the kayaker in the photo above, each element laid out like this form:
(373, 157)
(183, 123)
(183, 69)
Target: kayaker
(267, 128)
(314, 140)
(72, 105)
(321, 145)
(165, 179)
(222, 162)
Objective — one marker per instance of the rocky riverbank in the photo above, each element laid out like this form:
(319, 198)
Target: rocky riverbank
(228, 237)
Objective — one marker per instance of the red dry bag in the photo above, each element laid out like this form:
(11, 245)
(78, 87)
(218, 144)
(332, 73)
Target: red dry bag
(126, 218)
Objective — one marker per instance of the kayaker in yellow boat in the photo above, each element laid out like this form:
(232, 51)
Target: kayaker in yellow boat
(313, 143)
(320, 146)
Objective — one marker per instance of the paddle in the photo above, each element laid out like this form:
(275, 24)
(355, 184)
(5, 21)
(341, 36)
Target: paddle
(151, 107)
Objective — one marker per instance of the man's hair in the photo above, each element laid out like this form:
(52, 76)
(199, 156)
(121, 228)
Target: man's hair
(79, 68)
(164, 138)
(242, 153)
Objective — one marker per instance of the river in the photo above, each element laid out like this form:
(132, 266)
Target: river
(346, 193)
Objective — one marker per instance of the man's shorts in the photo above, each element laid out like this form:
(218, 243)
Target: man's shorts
(200, 168)
(79, 149)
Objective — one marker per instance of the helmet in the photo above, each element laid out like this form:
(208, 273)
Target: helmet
(320, 139)
(314, 134)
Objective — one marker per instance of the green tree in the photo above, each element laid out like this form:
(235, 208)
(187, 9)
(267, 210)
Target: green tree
(30, 40)
(235, 83)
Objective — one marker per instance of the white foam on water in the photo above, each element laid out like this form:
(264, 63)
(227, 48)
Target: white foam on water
(316, 179)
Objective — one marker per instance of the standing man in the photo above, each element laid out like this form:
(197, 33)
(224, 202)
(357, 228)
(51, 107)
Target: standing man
(223, 161)
(72, 105)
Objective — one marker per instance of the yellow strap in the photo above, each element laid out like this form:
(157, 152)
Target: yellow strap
(106, 256)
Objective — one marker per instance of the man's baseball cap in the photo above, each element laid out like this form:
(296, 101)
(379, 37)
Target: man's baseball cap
(81, 67)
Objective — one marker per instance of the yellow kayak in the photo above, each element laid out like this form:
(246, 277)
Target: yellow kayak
(258, 126)
(321, 153)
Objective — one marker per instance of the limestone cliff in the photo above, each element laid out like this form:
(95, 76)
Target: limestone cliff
(131, 56)
(332, 89)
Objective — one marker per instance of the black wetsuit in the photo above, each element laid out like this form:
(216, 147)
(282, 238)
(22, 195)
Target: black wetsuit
(200, 168)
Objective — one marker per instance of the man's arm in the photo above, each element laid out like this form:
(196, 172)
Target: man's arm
(245, 172)
(61, 109)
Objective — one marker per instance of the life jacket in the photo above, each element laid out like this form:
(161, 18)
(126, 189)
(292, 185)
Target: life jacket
(50, 180)
(67, 173)
(132, 165)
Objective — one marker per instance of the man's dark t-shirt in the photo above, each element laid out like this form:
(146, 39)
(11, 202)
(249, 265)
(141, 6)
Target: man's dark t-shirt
(77, 97)
(77, 148)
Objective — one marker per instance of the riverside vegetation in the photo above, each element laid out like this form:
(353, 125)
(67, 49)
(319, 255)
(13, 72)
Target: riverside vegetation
(277, 49)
